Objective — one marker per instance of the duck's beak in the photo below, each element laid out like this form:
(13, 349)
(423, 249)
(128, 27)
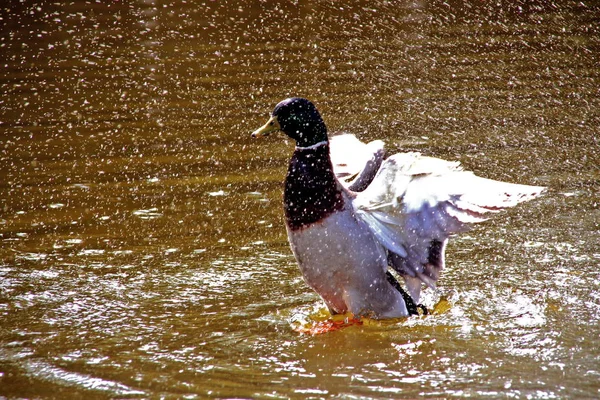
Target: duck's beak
(271, 126)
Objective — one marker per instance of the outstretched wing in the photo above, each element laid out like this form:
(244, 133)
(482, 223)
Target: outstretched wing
(355, 163)
(415, 203)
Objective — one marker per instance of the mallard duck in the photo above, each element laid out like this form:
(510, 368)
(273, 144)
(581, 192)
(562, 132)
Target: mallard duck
(349, 220)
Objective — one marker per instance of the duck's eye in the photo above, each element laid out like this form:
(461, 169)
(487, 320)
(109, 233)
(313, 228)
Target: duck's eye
(272, 123)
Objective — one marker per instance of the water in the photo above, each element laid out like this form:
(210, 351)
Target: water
(143, 248)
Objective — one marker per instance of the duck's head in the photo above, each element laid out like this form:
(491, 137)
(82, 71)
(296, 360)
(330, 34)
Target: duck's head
(299, 119)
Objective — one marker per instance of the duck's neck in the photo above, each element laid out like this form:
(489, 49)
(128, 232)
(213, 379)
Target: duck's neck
(311, 188)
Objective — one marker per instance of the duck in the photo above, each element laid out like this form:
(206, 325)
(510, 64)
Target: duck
(360, 222)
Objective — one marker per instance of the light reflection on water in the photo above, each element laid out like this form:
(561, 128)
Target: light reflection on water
(156, 318)
(143, 251)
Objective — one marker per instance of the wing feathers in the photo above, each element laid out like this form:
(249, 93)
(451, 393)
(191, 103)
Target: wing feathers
(354, 162)
(389, 238)
(415, 203)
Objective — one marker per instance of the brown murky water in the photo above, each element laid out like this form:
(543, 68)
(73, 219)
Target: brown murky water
(143, 249)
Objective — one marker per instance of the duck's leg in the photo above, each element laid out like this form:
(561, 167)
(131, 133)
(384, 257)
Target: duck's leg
(413, 309)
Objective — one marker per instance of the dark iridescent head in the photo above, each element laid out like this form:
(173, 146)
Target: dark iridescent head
(299, 119)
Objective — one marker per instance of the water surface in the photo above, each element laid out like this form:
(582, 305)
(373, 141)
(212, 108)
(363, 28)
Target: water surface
(143, 248)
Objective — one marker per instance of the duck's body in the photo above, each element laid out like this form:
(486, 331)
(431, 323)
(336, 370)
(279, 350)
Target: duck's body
(336, 252)
(398, 212)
